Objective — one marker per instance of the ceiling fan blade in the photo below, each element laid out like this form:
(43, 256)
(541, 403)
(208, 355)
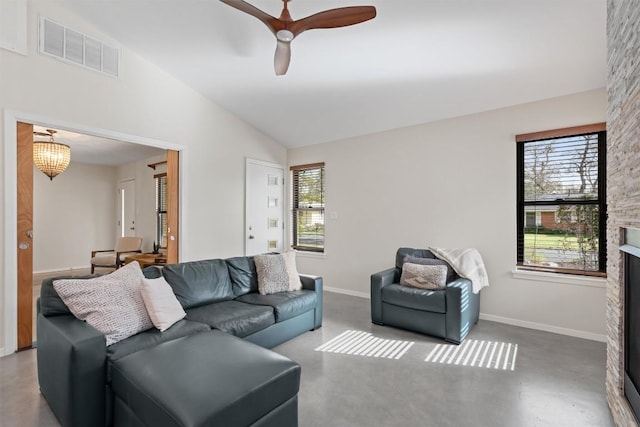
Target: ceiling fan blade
(333, 18)
(282, 58)
(273, 23)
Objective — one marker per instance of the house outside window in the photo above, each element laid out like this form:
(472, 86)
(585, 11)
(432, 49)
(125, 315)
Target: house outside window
(307, 211)
(532, 218)
(561, 200)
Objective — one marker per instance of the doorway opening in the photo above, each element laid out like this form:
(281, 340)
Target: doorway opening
(18, 315)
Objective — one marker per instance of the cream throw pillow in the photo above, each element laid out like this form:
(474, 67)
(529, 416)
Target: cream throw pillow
(112, 303)
(431, 277)
(162, 305)
(294, 278)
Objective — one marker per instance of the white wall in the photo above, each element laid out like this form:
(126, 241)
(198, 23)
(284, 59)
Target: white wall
(145, 196)
(72, 215)
(451, 184)
(144, 103)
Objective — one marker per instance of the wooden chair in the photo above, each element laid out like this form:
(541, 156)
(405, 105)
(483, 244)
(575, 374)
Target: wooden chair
(114, 258)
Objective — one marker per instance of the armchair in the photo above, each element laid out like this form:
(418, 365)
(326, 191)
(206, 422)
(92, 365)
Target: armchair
(448, 313)
(114, 258)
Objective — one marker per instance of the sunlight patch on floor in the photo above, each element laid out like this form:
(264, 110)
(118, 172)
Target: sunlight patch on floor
(481, 354)
(360, 343)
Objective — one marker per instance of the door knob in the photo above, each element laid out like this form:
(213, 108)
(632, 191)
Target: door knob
(251, 236)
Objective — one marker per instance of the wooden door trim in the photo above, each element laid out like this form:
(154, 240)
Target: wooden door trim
(24, 226)
(173, 206)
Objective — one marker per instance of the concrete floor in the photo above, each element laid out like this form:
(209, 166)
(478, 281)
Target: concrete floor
(556, 381)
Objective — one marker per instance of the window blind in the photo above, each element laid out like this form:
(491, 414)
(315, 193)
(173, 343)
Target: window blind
(307, 198)
(161, 209)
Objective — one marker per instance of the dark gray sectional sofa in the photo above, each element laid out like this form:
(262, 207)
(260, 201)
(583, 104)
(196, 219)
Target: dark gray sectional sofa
(204, 370)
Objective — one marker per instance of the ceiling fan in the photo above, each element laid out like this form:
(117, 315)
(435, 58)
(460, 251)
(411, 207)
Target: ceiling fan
(286, 29)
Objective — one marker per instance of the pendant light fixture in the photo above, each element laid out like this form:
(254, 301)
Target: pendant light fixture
(50, 157)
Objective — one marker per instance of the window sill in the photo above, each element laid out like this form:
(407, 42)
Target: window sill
(564, 279)
(309, 254)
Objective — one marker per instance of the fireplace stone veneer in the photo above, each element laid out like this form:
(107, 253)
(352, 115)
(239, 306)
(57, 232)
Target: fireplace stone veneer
(623, 182)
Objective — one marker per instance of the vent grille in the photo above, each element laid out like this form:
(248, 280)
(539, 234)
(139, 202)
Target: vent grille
(77, 48)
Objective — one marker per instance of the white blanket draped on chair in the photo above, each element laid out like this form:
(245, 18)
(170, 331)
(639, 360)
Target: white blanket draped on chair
(467, 263)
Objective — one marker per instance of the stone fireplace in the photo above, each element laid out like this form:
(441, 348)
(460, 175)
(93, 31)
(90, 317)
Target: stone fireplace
(623, 182)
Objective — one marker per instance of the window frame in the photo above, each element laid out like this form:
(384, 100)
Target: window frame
(598, 129)
(294, 208)
(159, 212)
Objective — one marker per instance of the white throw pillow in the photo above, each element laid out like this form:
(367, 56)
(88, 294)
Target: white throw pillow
(431, 277)
(163, 306)
(112, 303)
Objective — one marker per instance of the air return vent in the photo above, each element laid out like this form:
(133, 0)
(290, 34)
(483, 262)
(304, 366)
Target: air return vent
(72, 46)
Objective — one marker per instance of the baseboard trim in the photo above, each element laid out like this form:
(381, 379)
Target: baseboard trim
(499, 319)
(347, 292)
(56, 270)
(544, 327)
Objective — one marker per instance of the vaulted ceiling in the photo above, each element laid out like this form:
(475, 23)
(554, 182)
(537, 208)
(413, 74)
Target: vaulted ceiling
(417, 61)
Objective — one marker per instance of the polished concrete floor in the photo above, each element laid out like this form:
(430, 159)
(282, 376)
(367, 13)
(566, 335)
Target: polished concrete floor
(555, 381)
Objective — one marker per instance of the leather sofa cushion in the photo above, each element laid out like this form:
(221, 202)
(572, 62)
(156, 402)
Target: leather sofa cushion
(233, 317)
(285, 304)
(244, 277)
(208, 379)
(151, 338)
(199, 282)
(152, 272)
(419, 253)
(418, 299)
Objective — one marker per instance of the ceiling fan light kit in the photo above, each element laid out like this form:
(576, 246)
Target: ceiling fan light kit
(286, 29)
(50, 157)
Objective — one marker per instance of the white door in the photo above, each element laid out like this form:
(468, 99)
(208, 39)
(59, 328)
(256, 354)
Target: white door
(264, 217)
(127, 208)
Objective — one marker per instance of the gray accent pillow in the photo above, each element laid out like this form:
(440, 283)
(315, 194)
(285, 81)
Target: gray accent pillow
(418, 253)
(277, 273)
(112, 303)
(432, 277)
(430, 261)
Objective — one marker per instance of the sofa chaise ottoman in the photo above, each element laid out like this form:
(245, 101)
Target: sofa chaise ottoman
(174, 384)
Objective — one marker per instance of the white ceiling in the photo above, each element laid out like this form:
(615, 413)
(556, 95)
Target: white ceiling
(99, 151)
(416, 62)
